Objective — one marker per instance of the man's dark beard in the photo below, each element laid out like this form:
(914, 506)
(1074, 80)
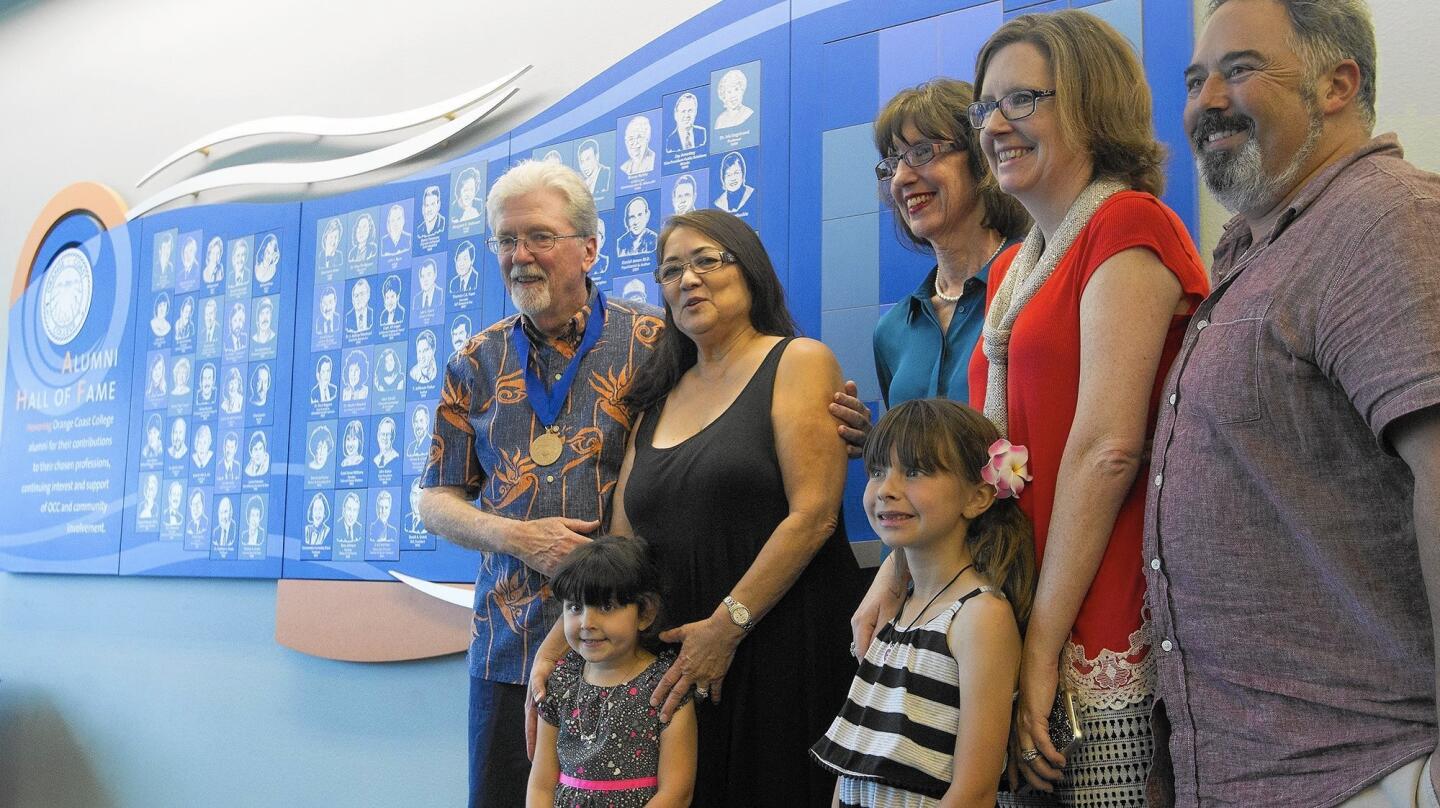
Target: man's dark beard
(1212, 121)
(1235, 176)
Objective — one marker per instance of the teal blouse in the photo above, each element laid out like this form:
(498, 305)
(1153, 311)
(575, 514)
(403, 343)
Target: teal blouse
(913, 359)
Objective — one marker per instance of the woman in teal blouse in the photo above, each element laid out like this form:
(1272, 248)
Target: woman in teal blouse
(946, 204)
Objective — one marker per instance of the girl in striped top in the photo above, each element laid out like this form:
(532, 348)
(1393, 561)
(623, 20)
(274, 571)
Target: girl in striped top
(928, 714)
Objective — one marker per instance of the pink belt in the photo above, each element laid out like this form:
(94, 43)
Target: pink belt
(609, 785)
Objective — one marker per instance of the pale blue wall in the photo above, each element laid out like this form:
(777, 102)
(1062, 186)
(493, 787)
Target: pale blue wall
(174, 693)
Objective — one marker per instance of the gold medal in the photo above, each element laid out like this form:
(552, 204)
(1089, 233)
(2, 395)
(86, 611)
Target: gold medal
(546, 447)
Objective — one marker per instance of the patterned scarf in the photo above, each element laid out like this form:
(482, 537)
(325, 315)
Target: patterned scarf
(1029, 271)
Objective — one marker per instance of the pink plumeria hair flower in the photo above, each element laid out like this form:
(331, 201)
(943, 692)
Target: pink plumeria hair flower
(1007, 469)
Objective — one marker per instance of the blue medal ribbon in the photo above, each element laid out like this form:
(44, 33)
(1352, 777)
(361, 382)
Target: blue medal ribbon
(547, 405)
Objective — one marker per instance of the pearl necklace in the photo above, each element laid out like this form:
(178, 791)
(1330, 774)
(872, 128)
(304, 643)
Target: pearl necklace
(956, 299)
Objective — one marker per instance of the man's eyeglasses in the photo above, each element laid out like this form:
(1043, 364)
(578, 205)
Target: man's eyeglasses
(1015, 106)
(915, 156)
(535, 242)
(671, 271)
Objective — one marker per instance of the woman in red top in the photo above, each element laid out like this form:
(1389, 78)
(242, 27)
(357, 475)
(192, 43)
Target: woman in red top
(1081, 327)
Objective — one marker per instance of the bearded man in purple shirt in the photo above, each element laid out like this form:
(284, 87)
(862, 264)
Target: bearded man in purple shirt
(1292, 544)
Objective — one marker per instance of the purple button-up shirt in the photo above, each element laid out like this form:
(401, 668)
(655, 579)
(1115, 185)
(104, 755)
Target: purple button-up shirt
(1294, 639)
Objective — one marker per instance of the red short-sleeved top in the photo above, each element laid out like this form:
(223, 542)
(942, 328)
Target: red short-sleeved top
(1043, 387)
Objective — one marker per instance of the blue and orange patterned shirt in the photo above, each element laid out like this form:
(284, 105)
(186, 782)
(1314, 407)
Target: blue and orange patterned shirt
(483, 428)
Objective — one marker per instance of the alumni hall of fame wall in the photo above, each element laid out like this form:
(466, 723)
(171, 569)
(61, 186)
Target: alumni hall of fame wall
(249, 390)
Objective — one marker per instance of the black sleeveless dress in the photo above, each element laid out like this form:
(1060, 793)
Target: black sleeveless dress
(707, 506)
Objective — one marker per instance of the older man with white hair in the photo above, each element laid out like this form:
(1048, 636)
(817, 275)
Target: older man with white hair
(525, 479)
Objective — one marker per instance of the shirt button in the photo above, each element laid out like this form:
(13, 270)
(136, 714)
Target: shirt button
(1159, 478)
(558, 376)
(1202, 325)
(1174, 397)
(549, 478)
(1166, 645)
(1154, 563)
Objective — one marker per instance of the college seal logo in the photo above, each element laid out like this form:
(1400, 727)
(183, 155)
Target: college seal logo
(65, 295)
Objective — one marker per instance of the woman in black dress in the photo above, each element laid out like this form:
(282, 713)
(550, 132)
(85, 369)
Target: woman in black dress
(734, 474)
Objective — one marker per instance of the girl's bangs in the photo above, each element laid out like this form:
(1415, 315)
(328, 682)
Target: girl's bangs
(912, 436)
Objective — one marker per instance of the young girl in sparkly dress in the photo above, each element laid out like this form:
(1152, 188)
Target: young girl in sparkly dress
(928, 714)
(599, 743)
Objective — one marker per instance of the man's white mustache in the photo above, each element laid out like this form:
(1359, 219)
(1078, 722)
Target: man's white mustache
(526, 273)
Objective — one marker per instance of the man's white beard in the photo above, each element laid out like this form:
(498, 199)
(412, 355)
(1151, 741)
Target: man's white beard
(529, 300)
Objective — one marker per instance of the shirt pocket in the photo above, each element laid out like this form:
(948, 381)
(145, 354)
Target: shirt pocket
(1223, 374)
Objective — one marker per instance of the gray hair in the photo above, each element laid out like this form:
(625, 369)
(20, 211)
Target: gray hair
(1329, 31)
(535, 175)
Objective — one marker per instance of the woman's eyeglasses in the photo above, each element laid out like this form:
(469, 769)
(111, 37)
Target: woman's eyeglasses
(915, 156)
(671, 271)
(1015, 106)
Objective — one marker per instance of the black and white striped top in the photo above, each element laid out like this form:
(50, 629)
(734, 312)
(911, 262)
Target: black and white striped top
(899, 722)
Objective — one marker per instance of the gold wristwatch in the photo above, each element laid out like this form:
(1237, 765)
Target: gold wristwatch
(739, 614)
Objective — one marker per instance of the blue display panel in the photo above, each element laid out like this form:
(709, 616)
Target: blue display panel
(67, 387)
(666, 140)
(383, 308)
(214, 329)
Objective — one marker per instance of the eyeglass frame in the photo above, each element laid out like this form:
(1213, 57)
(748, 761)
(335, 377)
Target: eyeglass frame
(892, 163)
(497, 243)
(979, 112)
(726, 259)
